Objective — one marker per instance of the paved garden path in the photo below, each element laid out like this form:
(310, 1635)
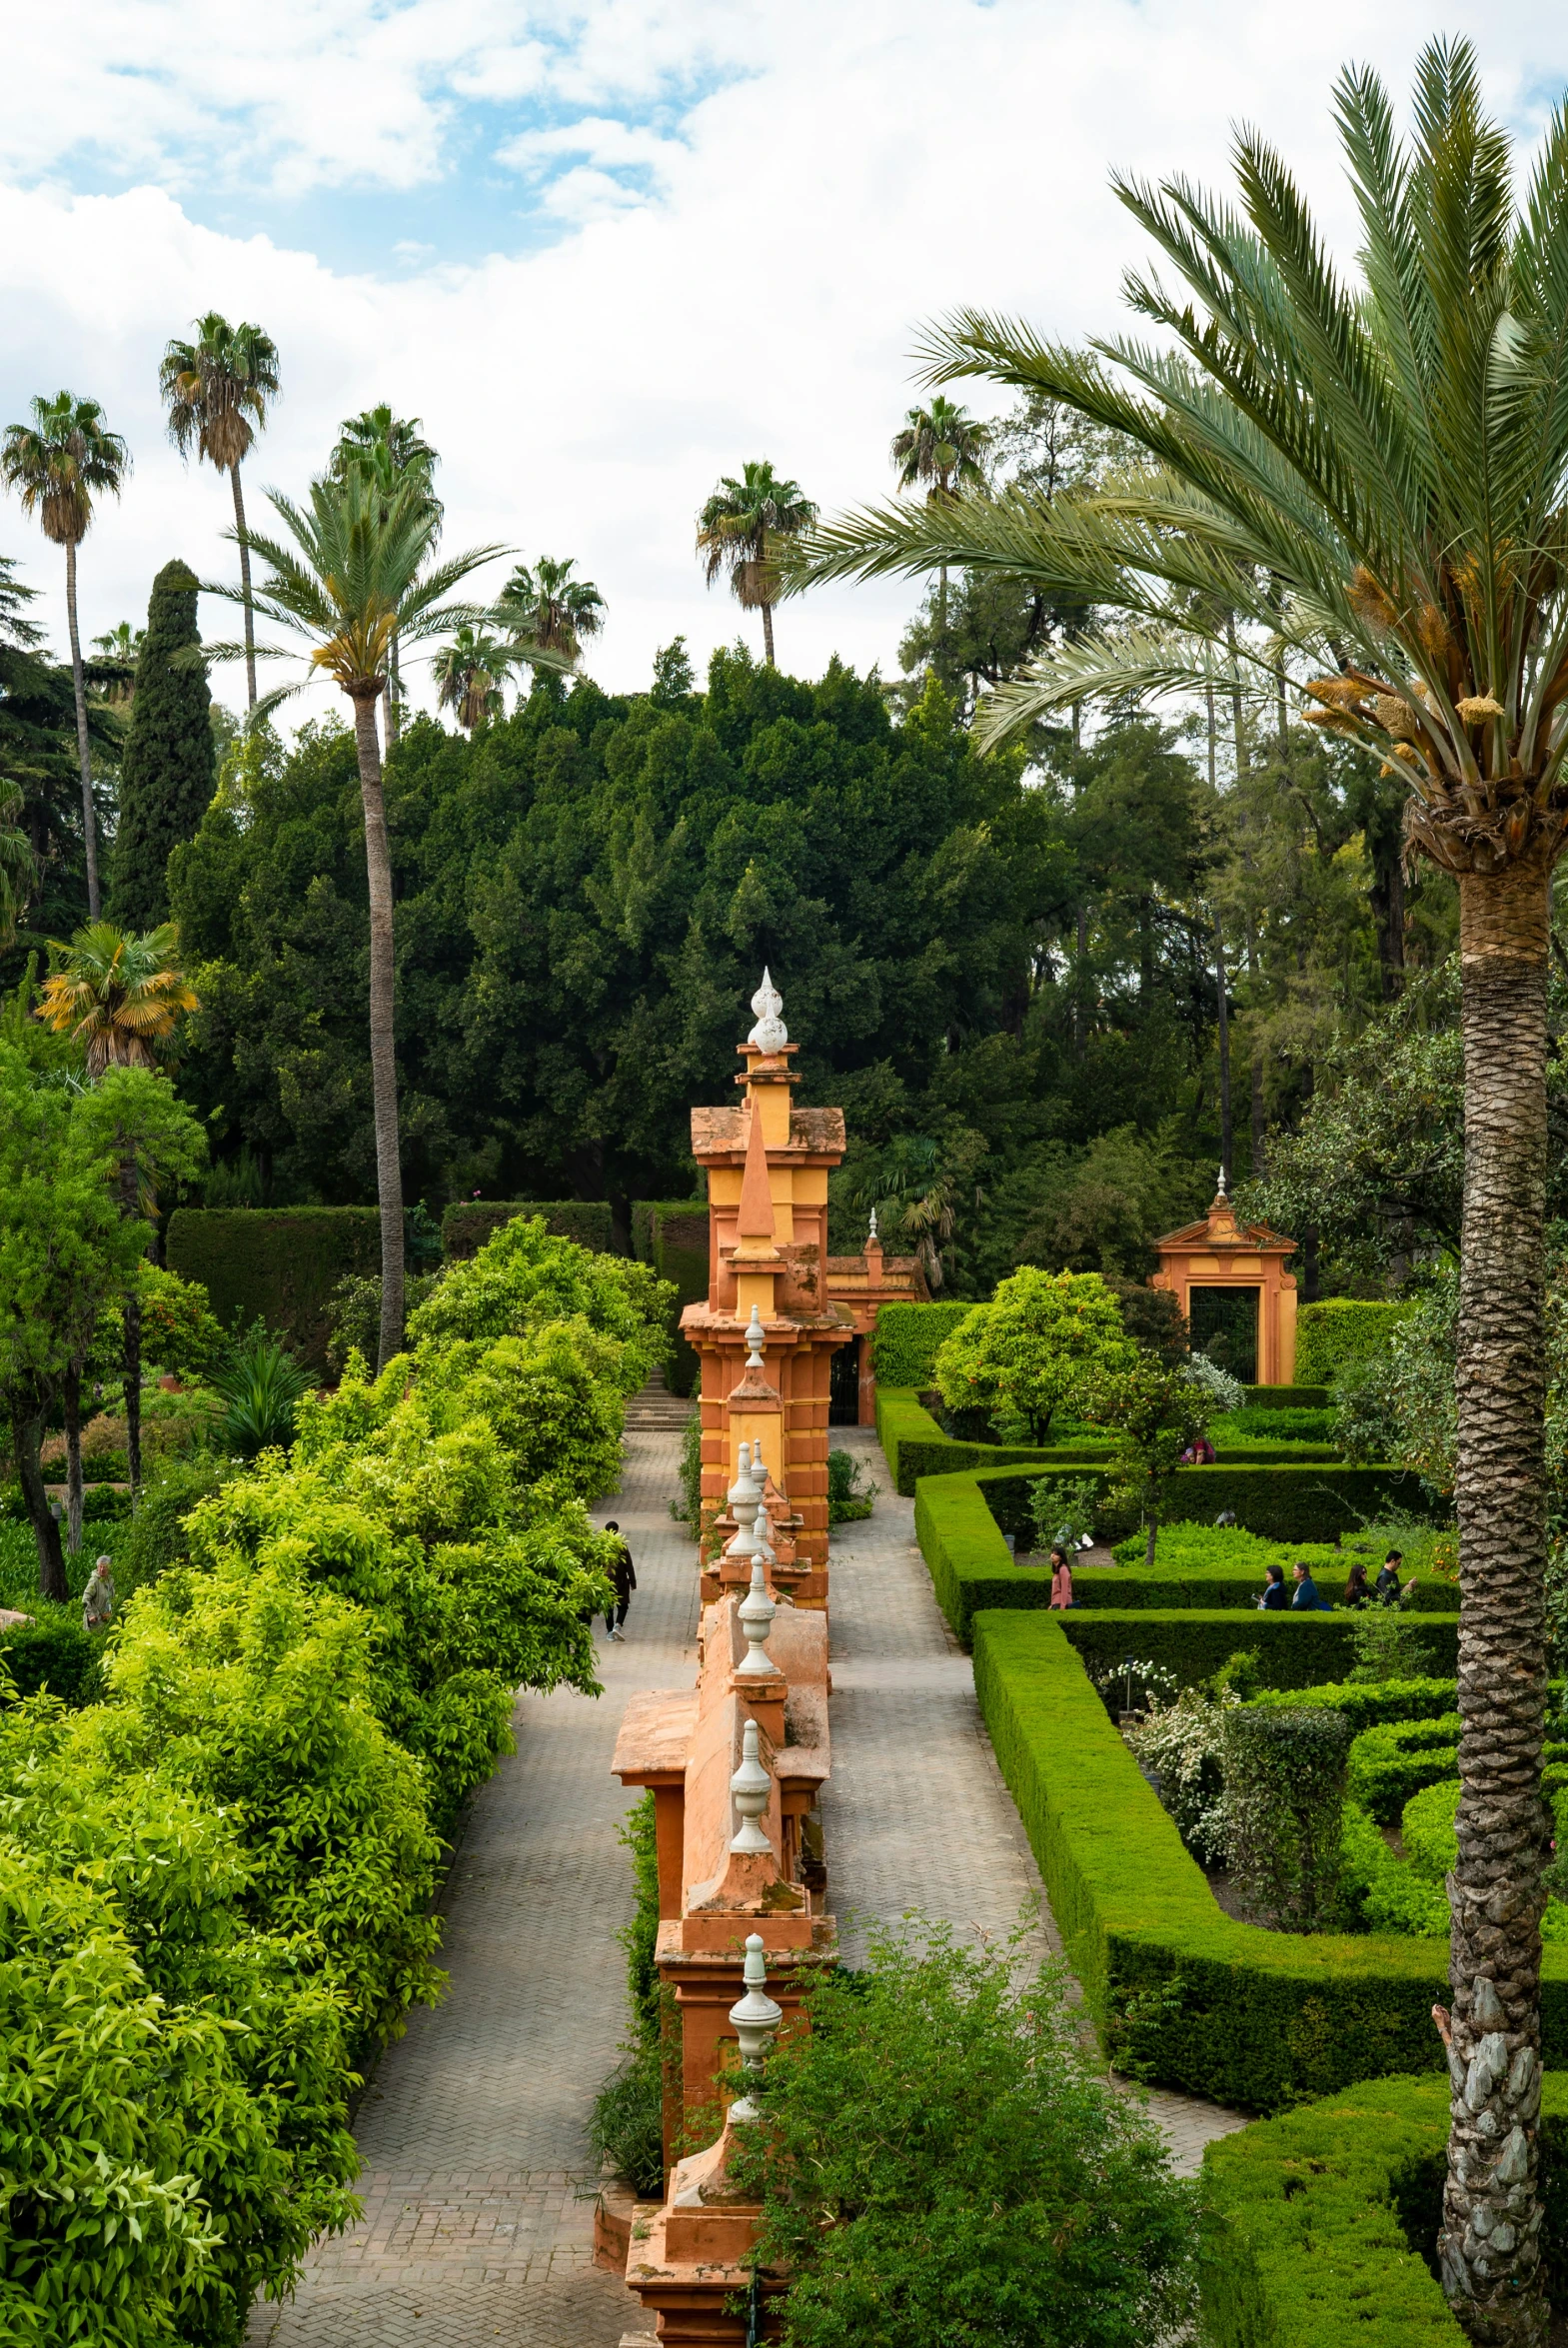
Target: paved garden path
(476, 2174)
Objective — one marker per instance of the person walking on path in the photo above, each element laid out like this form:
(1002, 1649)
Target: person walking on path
(1305, 1599)
(1387, 1592)
(623, 1580)
(98, 1598)
(1275, 1596)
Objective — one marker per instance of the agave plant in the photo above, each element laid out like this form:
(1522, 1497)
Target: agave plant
(262, 1384)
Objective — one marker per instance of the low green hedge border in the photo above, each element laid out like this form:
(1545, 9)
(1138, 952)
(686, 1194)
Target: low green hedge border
(1319, 2223)
(1181, 1993)
(1288, 1397)
(914, 1446)
(1191, 1642)
(959, 1522)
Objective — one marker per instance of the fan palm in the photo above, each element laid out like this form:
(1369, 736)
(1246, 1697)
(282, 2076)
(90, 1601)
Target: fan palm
(57, 463)
(216, 389)
(468, 674)
(545, 609)
(940, 446)
(1371, 473)
(116, 994)
(390, 451)
(745, 529)
(349, 573)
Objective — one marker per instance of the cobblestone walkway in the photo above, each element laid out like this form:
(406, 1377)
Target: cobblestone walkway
(916, 1814)
(476, 2173)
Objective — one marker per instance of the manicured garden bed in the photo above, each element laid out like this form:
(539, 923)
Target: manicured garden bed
(1180, 1992)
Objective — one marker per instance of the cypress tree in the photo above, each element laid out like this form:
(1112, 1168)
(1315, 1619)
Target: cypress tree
(169, 770)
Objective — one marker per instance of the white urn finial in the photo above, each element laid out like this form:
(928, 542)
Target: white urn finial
(750, 1786)
(872, 1234)
(740, 1490)
(1224, 1181)
(756, 1340)
(756, 1609)
(755, 2018)
(769, 1032)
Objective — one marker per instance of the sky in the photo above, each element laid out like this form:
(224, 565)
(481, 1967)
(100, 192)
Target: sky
(608, 252)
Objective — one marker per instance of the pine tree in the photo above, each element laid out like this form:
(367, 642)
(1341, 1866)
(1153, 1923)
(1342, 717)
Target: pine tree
(168, 771)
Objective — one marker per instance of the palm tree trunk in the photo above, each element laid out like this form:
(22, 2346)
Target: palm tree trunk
(1259, 1113)
(71, 1396)
(394, 699)
(89, 812)
(383, 1043)
(1226, 1135)
(245, 584)
(1489, 2245)
(768, 636)
(26, 1435)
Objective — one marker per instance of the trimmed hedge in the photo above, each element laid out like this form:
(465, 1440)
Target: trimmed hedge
(907, 1339)
(1393, 1759)
(1382, 1699)
(672, 1236)
(1181, 1993)
(959, 1522)
(914, 1444)
(1321, 2223)
(277, 1265)
(1338, 1330)
(1288, 1397)
(466, 1227)
(55, 1652)
(1191, 1642)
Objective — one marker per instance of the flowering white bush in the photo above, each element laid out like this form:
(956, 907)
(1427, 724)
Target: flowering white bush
(1227, 1393)
(1182, 1746)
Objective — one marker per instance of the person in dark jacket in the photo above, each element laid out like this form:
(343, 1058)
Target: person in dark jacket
(1304, 1599)
(1275, 1594)
(1387, 1585)
(1357, 1594)
(623, 1580)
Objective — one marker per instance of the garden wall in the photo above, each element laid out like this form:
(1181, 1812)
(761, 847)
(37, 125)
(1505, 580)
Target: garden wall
(672, 1236)
(1181, 1992)
(467, 1226)
(907, 1339)
(1339, 1330)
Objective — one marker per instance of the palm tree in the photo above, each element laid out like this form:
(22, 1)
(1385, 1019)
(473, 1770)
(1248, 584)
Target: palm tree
(1370, 473)
(116, 994)
(468, 674)
(940, 446)
(349, 573)
(545, 609)
(121, 996)
(57, 464)
(743, 530)
(389, 450)
(217, 390)
(114, 670)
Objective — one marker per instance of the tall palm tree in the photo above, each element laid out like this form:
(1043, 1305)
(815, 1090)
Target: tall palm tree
(468, 674)
(58, 464)
(119, 995)
(114, 673)
(941, 447)
(544, 609)
(745, 529)
(349, 573)
(390, 451)
(217, 390)
(1370, 472)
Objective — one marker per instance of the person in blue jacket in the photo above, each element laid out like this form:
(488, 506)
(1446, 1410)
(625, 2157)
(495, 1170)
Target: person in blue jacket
(1275, 1595)
(1304, 1599)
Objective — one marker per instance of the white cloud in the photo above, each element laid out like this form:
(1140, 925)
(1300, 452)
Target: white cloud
(741, 274)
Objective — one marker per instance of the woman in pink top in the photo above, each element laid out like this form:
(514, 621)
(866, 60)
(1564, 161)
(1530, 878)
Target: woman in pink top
(1061, 1579)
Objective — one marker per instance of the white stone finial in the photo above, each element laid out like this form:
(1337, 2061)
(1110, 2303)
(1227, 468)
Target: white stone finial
(756, 1340)
(769, 1032)
(763, 1554)
(872, 1234)
(750, 1786)
(756, 1609)
(756, 2019)
(1224, 1181)
(759, 1471)
(740, 1490)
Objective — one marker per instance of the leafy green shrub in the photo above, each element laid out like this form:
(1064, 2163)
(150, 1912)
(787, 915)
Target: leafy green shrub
(1388, 1645)
(908, 1340)
(1182, 1746)
(274, 1264)
(1063, 1508)
(1339, 1330)
(157, 1536)
(1284, 1799)
(524, 1277)
(1031, 1352)
(689, 1509)
(940, 2159)
(846, 1503)
(626, 2128)
(262, 1387)
(466, 1227)
(354, 1314)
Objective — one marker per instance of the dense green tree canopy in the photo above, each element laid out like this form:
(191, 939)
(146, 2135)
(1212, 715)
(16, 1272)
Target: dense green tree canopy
(169, 768)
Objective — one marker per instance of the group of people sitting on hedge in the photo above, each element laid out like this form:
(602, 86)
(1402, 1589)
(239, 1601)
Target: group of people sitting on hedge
(1302, 1596)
